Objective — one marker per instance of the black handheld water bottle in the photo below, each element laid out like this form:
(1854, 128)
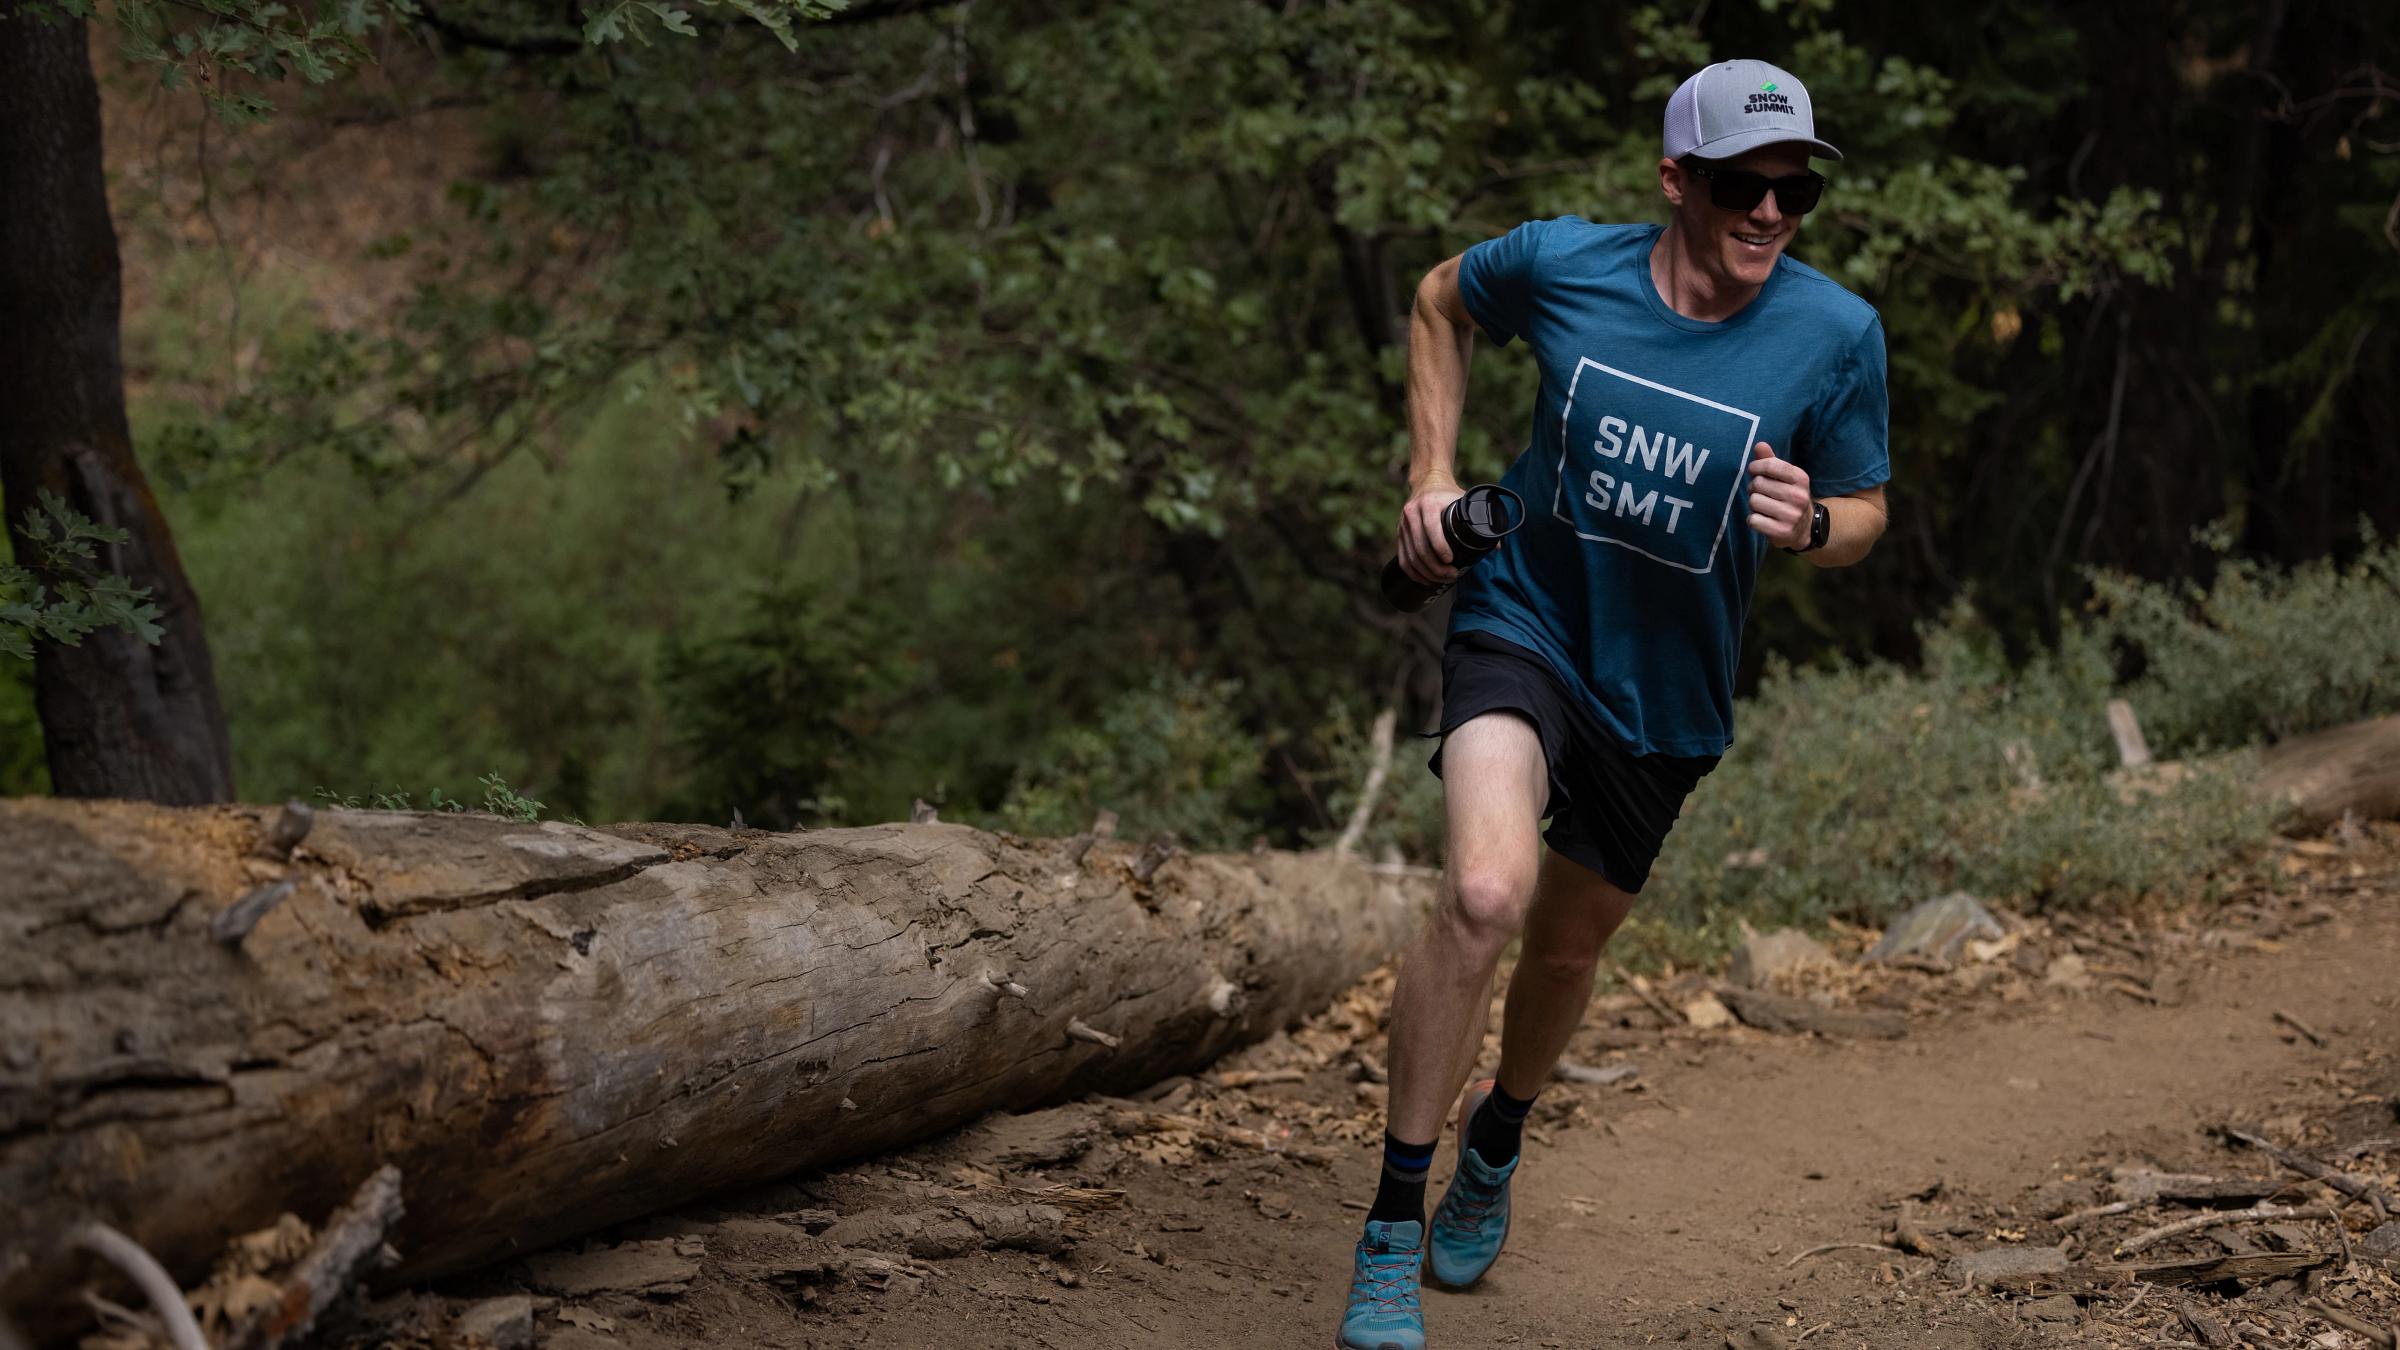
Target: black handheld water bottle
(1474, 524)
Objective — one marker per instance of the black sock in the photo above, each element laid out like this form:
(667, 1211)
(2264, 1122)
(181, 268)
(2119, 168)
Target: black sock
(1400, 1197)
(1497, 1129)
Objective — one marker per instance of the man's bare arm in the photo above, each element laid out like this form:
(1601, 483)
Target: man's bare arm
(1852, 525)
(1441, 343)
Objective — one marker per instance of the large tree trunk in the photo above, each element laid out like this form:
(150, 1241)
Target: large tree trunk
(119, 718)
(550, 1028)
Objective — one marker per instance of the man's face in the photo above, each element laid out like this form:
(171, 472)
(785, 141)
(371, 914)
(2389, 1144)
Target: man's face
(1739, 247)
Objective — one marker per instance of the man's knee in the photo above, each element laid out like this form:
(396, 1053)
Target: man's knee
(1562, 960)
(1486, 906)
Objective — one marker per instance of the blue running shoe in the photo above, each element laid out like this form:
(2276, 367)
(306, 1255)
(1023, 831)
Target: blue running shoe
(1471, 1223)
(1384, 1312)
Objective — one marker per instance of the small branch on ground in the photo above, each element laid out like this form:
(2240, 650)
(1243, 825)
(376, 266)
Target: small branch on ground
(351, 1239)
(2212, 1333)
(2354, 1187)
(1242, 1078)
(2302, 1027)
(1843, 1247)
(2071, 1222)
(1568, 1071)
(2375, 1335)
(2255, 1214)
(1641, 990)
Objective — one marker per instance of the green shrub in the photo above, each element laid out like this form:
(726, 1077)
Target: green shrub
(1169, 755)
(1856, 791)
(2263, 652)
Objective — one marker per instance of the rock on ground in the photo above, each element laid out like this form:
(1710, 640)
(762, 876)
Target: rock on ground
(500, 1323)
(1767, 957)
(2002, 1263)
(1937, 929)
(635, 1268)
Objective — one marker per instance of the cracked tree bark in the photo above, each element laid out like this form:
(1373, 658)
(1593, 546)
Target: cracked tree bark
(550, 1028)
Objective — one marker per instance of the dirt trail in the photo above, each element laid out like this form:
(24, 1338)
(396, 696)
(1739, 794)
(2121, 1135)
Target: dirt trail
(1672, 1214)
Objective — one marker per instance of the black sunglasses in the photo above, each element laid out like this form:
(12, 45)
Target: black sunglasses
(1740, 189)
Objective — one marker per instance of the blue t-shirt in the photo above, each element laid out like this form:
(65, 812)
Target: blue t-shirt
(1634, 567)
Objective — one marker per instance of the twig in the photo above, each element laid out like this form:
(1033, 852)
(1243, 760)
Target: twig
(1154, 856)
(290, 827)
(2071, 1222)
(2302, 1027)
(1241, 1078)
(1104, 826)
(1842, 1247)
(2306, 1166)
(150, 1277)
(1568, 1071)
(231, 925)
(353, 1237)
(2212, 1333)
(2255, 1213)
(1641, 989)
(2375, 1335)
(1077, 1030)
(1377, 769)
(2133, 752)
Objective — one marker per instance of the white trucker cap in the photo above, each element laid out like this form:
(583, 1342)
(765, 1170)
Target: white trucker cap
(1735, 106)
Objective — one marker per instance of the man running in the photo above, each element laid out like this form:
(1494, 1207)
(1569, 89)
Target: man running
(1703, 398)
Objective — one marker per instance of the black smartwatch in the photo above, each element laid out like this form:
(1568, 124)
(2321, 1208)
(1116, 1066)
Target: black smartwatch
(1820, 521)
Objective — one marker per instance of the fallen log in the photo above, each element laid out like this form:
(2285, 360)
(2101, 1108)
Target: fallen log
(2328, 774)
(550, 1028)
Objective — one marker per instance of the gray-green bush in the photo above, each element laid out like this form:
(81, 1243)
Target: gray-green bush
(1855, 790)
(2262, 651)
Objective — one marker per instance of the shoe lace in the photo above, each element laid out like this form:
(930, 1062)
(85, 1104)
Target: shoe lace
(1469, 1203)
(1386, 1279)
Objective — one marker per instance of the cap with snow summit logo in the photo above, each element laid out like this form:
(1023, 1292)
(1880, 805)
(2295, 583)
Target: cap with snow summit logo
(1735, 106)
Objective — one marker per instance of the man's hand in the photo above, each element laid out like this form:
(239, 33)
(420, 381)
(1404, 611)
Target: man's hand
(1423, 550)
(1780, 505)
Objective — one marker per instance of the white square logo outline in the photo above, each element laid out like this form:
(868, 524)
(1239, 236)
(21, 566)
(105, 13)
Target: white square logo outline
(1558, 498)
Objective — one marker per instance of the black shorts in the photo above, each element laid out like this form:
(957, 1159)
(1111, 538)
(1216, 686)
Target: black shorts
(1609, 809)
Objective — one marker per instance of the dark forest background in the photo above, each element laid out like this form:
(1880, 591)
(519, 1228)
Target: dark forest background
(1001, 403)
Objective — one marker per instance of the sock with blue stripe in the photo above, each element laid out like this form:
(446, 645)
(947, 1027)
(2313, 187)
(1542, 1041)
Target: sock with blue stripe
(1497, 1129)
(1400, 1196)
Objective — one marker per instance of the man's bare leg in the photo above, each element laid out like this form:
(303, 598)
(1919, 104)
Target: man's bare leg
(1575, 911)
(1495, 782)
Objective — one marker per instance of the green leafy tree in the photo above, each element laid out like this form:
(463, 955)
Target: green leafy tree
(143, 718)
(83, 597)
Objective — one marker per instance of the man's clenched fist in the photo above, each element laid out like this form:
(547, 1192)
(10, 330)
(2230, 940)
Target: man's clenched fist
(1423, 550)
(1780, 507)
